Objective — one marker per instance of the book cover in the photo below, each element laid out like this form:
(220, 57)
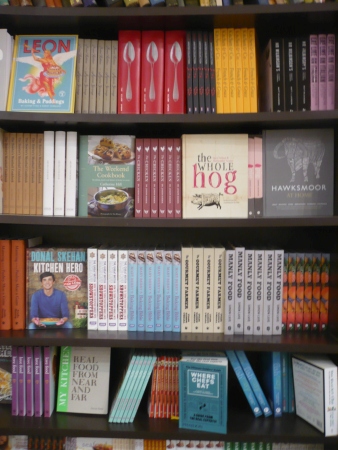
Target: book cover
(112, 288)
(258, 292)
(203, 392)
(22, 380)
(80, 443)
(303, 73)
(268, 289)
(186, 288)
(132, 290)
(330, 71)
(177, 177)
(138, 176)
(150, 290)
(290, 84)
(322, 72)
(278, 292)
(249, 274)
(177, 268)
(189, 100)
(154, 179)
(229, 313)
(5, 373)
(38, 381)
(216, 181)
(43, 74)
(314, 73)
(199, 302)
(271, 378)
(50, 367)
(122, 290)
(219, 288)
(315, 381)
(59, 173)
(106, 176)
(146, 179)
(5, 285)
(83, 381)
(15, 382)
(141, 274)
(29, 381)
(5, 65)
(298, 172)
(170, 178)
(56, 285)
(162, 178)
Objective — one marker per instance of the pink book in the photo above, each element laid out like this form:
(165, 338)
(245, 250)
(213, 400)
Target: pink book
(314, 72)
(152, 71)
(138, 176)
(178, 178)
(251, 181)
(49, 379)
(322, 68)
(38, 381)
(15, 381)
(129, 72)
(146, 178)
(258, 177)
(29, 381)
(175, 72)
(22, 380)
(170, 178)
(330, 73)
(162, 178)
(154, 177)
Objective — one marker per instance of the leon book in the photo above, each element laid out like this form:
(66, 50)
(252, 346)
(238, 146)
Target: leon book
(43, 74)
(6, 373)
(59, 274)
(216, 176)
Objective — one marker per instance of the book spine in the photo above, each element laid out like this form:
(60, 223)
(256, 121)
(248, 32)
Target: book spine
(219, 289)
(249, 261)
(122, 317)
(212, 73)
(177, 177)
(198, 298)
(112, 288)
(195, 93)
(206, 72)
(285, 291)
(71, 174)
(92, 288)
(258, 292)
(18, 276)
(324, 291)
(48, 173)
(290, 74)
(218, 69)
(322, 72)
(19, 173)
(48, 380)
(22, 380)
(303, 73)
(64, 378)
(107, 76)
(200, 65)
(330, 72)
(170, 178)
(86, 76)
(32, 173)
(29, 381)
(159, 292)
(258, 177)
(299, 306)
(38, 381)
(102, 297)
(229, 315)
(15, 381)
(93, 76)
(246, 70)
(186, 291)
(316, 292)
(138, 176)
(12, 172)
(291, 311)
(251, 177)
(208, 289)
(175, 72)
(26, 172)
(154, 182)
(239, 289)
(5, 176)
(59, 173)
(278, 292)
(40, 174)
(177, 282)
(314, 73)
(239, 71)
(268, 289)
(5, 285)
(150, 291)
(100, 77)
(285, 384)
(277, 383)
(79, 75)
(190, 106)
(132, 290)
(162, 178)
(307, 291)
(146, 178)
(278, 93)
(113, 77)
(168, 290)
(141, 280)
(232, 71)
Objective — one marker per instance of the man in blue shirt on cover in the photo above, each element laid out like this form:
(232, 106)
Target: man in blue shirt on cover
(49, 302)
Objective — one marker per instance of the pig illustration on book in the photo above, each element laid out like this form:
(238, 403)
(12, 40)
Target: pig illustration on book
(207, 200)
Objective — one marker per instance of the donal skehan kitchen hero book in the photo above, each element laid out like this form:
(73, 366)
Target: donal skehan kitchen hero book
(43, 74)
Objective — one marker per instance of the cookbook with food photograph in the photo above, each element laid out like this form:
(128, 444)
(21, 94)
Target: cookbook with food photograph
(106, 176)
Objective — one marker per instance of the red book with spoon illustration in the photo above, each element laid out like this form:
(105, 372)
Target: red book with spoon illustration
(175, 72)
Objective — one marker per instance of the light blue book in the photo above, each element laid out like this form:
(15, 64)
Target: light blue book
(141, 278)
(150, 291)
(132, 290)
(168, 290)
(159, 292)
(272, 380)
(247, 389)
(256, 387)
(136, 385)
(177, 258)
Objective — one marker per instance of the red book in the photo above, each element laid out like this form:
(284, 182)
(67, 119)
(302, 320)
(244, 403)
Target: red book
(5, 285)
(154, 178)
(175, 72)
(146, 178)
(170, 178)
(129, 72)
(177, 178)
(162, 178)
(18, 263)
(138, 176)
(152, 72)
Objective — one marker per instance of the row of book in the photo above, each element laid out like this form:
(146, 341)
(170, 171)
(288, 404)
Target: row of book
(299, 73)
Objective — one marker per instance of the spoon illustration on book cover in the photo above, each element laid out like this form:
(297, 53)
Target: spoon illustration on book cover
(152, 57)
(175, 57)
(129, 56)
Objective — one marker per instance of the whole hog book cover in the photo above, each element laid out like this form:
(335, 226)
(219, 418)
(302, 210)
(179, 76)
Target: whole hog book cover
(298, 172)
(43, 74)
(215, 181)
(56, 288)
(107, 176)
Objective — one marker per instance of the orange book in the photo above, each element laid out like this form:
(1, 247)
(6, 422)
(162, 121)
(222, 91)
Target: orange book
(291, 315)
(19, 173)
(50, 3)
(165, 393)
(307, 291)
(26, 172)
(316, 294)
(299, 291)
(39, 174)
(5, 174)
(324, 291)
(18, 264)
(33, 174)
(285, 291)
(158, 398)
(253, 83)
(58, 4)
(245, 63)
(5, 285)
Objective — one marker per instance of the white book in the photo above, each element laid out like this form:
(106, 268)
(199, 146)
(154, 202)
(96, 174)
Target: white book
(122, 289)
(150, 290)
(71, 174)
(141, 289)
(100, 77)
(168, 290)
(268, 290)
(92, 287)
(48, 173)
(219, 288)
(208, 289)
(249, 264)
(197, 289)
(316, 396)
(186, 289)
(106, 76)
(86, 76)
(59, 173)
(93, 76)
(112, 288)
(79, 75)
(239, 290)
(6, 50)
(229, 303)
(177, 291)
(113, 77)
(132, 290)
(102, 285)
(159, 290)
(278, 292)
(258, 292)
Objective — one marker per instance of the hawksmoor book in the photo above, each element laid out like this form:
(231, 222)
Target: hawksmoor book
(43, 74)
(215, 176)
(83, 383)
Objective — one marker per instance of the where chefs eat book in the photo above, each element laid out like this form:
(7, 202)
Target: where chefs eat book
(43, 74)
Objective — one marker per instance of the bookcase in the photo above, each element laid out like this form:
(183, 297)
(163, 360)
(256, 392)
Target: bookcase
(301, 233)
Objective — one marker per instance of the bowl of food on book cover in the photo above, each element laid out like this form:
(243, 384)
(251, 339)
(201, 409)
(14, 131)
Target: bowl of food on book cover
(109, 200)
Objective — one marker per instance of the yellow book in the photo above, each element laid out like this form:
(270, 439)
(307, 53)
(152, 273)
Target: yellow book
(232, 70)
(218, 70)
(245, 66)
(239, 70)
(26, 172)
(19, 173)
(33, 173)
(12, 173)
(225, 70)
(253, 84)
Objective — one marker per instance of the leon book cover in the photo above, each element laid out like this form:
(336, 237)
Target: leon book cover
(56, 290)
(175, 72)
(43, 74)
(216, 176)
(107, 176)
(5, 374)
(298, 172)
(83, 381)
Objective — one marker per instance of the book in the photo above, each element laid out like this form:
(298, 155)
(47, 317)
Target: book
(177, 178)
(299, 306)
(170, 151)
(79, 75)
(268, 291)
(290, 82)
(22, 380)
(200, 319)
(132, 290)
(93, 76)
(203, 404)
(200, 66)
(314, 73)
(229, 311)
(92, 264)
(189, 99)
(154, 179)
(295, 162)
(315, 382)
(39, 173)
(113, 76)
(212, 72)
(106, 176)
(38, 381)
(5, 373)
(239, 290)
(206, 71)
(324, 291)
(168, 290)
(195, 93)
(239, 70)
(278, 292)
(292, 291)
(330, 71)
(146, 177)
(50, 364)
(258, 306)
(59, 173)
(122, 289)
(159, 289)
(100, 76)
(221, 69)
(251, 177)
(207, 274)
(177, 282)
(102, 287)
(174, 74)
(186, 288)
(5, 65)
(162, 178)
(29, 381)
(112, 288)
(139, 176)
(5, 285)
(141, 280)
(56, 283)
(322, 72)
(46, 65)
(246, 70)
(83, 381)
(249, 274)
(15, 382)
(12, 172)
(232, 72)
(19, 161)
(48, 172)
(26, 167)
(219, 288)
(271, 379)
(86, 76)
(316, 291)
(303, 73)
(71, 192)
(150, 290)
(209, 162)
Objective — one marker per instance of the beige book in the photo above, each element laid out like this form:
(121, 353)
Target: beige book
(12, 173)
(19, 173)
(245, 62)
(5, 174)
(99, 78)
(232, 70)
(208, 272)
(86, 76)
(113, 77)
(26, 172)
(93, 76)
(106, 76)
(79, 75)
(239, 70)
(33, 174)
(39, 174)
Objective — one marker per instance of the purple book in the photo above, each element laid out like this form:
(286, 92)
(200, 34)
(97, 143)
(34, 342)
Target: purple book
(15, 376)
(49, 371)
(22, 380)
(38, 382)
(29, 382)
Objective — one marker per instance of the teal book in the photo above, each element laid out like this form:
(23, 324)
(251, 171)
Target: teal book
(285, 382)
(203, 393)
(271, 375)
(106, 176)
